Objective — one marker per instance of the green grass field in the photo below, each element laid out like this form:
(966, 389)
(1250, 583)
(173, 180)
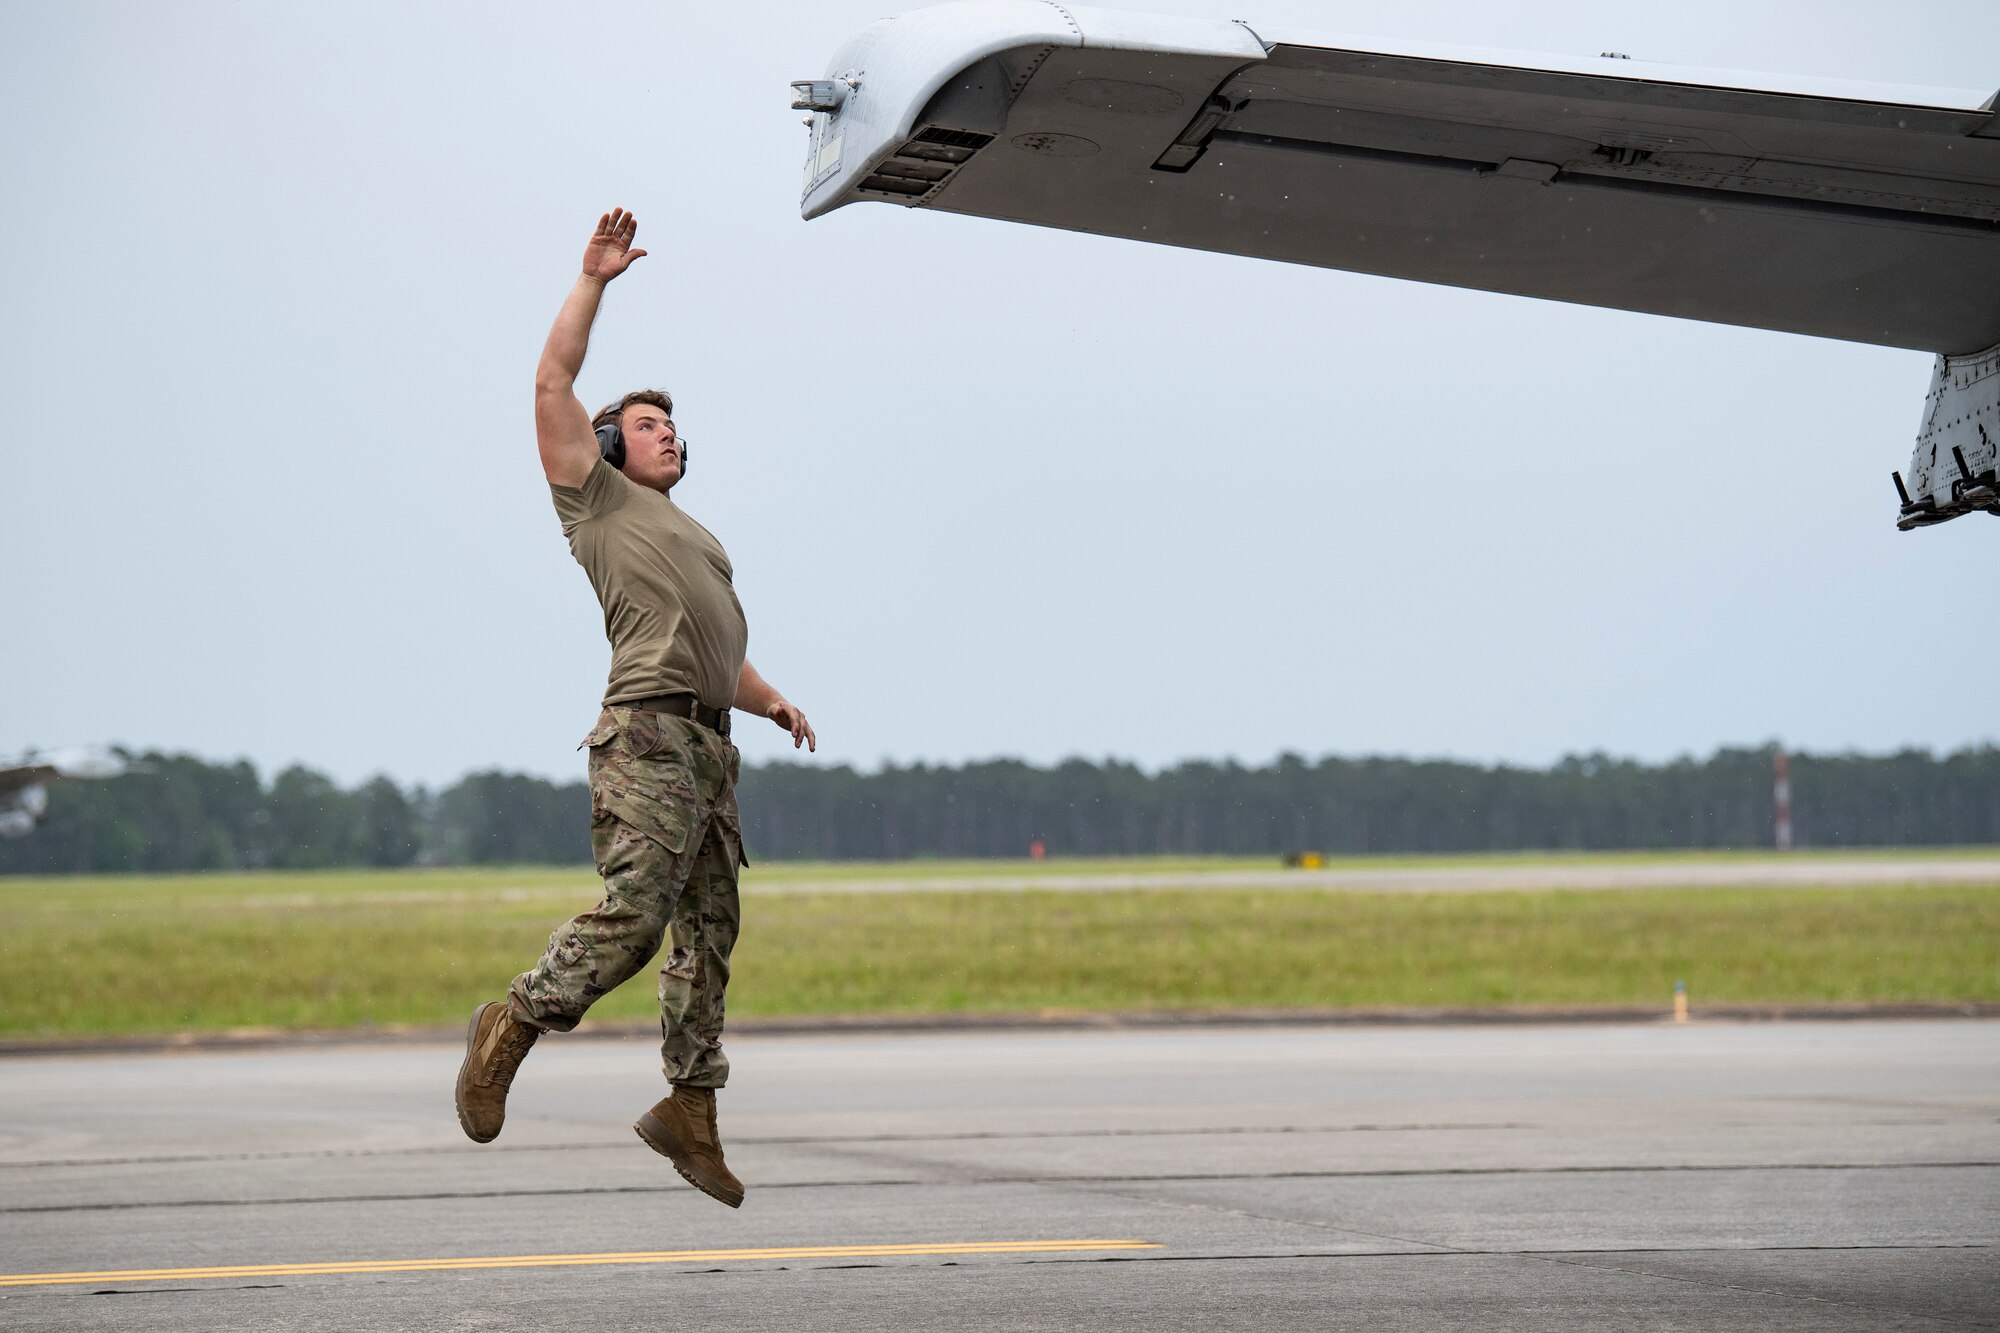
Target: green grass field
(342, 949)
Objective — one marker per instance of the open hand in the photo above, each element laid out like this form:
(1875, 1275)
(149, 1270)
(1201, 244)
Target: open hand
(610, 250)
(786, 714)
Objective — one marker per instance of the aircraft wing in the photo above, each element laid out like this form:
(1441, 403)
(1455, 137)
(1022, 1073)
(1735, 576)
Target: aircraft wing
(1861, 212)
(24, 793)
(23, 776)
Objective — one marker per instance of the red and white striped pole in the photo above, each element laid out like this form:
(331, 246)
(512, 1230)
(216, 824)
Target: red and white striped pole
(1781, 791)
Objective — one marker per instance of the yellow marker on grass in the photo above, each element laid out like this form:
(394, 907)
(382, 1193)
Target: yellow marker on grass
(1680, 1002)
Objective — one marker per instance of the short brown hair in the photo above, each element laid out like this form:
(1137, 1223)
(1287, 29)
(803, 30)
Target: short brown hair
(659, 398)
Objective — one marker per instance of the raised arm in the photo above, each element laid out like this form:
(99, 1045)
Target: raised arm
(754, 694)
(562, 426)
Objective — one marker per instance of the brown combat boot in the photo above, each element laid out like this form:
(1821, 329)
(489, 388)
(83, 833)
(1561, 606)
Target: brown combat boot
(494, 1047)
(682, 1129)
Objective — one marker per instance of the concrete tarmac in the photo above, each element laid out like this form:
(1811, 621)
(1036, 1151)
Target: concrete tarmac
(1771, 1176)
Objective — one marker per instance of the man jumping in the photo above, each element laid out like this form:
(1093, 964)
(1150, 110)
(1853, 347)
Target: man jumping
(663, 822)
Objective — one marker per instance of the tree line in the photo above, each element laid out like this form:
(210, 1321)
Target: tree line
(179, 812)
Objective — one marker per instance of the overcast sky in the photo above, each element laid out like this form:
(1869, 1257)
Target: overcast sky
(275, 277)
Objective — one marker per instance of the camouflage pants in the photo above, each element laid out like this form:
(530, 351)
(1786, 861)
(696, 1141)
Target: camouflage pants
(664, 828)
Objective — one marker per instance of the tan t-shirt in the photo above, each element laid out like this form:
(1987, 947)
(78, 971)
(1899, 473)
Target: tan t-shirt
(670, 610)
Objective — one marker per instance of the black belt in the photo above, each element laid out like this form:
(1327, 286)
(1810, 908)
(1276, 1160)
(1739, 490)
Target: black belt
(682, 705)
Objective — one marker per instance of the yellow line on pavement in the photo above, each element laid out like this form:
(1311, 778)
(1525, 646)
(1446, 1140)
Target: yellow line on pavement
(574, 1260)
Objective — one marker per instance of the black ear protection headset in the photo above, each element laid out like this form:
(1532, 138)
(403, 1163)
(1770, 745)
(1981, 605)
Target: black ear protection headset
(611, 444)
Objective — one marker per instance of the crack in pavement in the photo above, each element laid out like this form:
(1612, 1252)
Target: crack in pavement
(983, 1179)
(811, 1140)
(780, 1139)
